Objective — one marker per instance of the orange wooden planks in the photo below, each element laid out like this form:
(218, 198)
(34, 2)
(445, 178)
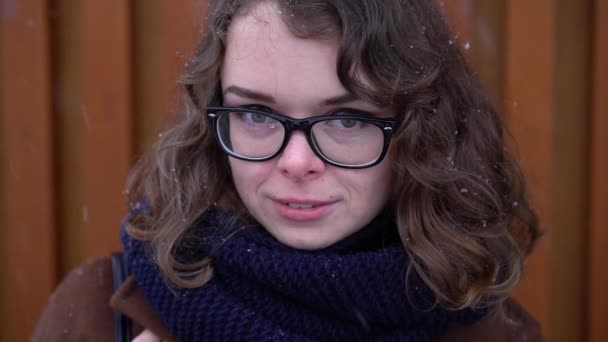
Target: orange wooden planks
(488, 47)
(460, 14)
(93, 94)
(529, 96)
(28, 229)
(478, 30)
(70, 127)
(547, 89)
(107, 107)
(165, 38)
(598, 234)
(570, 169)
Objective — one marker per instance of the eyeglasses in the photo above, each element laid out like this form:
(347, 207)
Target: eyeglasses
(345, 138)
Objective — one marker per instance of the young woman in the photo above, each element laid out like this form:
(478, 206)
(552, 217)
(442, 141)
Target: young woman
(337, 174)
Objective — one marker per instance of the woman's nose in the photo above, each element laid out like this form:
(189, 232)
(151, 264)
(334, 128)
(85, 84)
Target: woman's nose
(298, 161)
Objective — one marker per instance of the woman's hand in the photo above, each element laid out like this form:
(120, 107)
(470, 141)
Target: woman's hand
(146, 336)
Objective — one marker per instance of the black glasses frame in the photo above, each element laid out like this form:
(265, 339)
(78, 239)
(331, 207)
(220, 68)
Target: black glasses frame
(290, 124)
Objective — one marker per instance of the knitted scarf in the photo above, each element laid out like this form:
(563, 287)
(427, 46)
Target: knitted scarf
(261, 289)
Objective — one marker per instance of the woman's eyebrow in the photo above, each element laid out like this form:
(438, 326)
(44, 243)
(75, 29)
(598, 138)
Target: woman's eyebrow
(249, 94)
(339, 100)
(255, 95)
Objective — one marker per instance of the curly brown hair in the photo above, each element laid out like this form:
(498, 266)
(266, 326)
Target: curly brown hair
(459, 200)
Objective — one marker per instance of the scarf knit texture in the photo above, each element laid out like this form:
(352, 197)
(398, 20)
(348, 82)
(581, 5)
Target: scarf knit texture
(354, 290)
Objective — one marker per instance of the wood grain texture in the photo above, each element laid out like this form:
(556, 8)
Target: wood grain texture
(93, 102)
(107, 106)
(570, 169)
(165, 38)
(461, 19)
(529, 95)
(70, 126)
(488, 47)
(597, 295)
(478, 29)
(29, 243)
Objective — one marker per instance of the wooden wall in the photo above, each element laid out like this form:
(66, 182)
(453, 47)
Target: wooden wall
(85, 86)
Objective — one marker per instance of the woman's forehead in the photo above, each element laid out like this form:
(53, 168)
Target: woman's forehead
(262, 54)
(263, 29)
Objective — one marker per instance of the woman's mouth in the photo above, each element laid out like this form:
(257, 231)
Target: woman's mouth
(301, 205)
(302, 210)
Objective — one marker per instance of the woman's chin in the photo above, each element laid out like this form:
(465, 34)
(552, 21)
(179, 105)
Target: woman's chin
(304, 242)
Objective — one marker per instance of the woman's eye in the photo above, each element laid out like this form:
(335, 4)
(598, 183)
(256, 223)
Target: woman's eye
(348, 123)
(255, 117)
(345, 123)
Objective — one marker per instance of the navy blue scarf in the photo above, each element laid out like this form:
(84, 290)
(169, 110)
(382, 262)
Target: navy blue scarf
(261, 289)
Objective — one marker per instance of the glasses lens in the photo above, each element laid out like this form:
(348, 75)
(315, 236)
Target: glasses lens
(250, 134)
(348, 141)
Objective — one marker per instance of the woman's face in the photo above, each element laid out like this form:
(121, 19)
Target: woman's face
(266, 65)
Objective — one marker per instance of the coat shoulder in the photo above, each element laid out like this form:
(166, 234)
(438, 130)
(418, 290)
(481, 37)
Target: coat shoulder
(78, 309)
(511, 322)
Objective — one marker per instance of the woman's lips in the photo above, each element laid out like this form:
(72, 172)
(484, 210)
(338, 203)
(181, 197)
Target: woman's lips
(301, 210)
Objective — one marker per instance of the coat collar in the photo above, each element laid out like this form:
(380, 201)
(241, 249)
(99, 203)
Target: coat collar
(129, 299)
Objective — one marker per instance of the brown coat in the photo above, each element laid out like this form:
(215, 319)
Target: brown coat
(81, 309)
